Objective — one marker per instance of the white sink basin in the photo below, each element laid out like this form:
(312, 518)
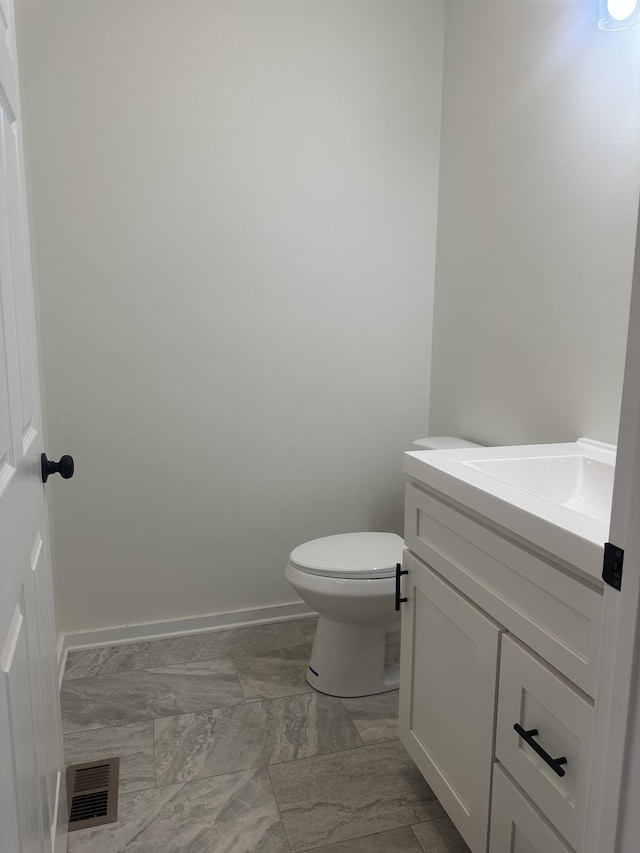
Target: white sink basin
(578, 482)
(556, 496)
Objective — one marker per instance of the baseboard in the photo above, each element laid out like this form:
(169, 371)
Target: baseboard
(121, 634)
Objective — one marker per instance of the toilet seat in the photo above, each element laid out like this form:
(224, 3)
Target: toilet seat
(350, 556)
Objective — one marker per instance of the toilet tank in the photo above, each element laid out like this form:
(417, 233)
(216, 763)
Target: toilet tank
(442, 442)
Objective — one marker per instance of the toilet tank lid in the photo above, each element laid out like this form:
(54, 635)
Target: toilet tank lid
(360, 555)
(442, 442)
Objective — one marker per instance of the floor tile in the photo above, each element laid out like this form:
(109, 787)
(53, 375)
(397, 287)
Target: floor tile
(234, 813)
(333, 798)
(271, 674)
(132, 743)
(89, 703)
(225, 644)
(375, 717)
(87, 663)
(236, 732)
(193, 746)
(308, 628)
(394, 841)
(440, 836)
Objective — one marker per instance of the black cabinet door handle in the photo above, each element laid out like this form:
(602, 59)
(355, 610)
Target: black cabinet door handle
(528, 737)
(399, 572)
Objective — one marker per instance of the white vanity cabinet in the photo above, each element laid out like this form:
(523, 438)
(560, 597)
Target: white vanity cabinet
(498, 677)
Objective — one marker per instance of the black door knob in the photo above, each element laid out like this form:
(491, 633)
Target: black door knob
(64, 467)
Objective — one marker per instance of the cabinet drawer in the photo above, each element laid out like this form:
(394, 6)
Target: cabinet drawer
(553, 611)
(516, 825)
(538, 699)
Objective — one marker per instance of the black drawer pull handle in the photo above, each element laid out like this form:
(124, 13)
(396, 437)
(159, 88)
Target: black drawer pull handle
(528, 737)
(399, 571)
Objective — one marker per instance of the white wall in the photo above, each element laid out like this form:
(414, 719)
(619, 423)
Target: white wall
(234, 213)
(540, 174)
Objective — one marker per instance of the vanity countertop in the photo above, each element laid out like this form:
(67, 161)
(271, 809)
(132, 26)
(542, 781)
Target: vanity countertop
(555, 496)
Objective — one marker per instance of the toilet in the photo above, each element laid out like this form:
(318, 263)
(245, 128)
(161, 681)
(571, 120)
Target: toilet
(350, 580)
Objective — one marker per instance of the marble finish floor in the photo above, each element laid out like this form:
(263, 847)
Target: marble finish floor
(225, 748)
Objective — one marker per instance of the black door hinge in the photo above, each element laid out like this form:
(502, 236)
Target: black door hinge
(612, 568)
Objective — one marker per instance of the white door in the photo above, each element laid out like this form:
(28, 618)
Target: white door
(32, 795)
(613, 818)
(448, 676)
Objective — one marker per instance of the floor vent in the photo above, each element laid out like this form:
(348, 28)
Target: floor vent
(92, 792)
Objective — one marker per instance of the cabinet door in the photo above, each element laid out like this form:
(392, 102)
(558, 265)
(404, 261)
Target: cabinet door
(516, 825)
(448, 674)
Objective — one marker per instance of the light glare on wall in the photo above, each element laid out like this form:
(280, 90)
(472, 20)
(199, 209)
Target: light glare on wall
(618, 14)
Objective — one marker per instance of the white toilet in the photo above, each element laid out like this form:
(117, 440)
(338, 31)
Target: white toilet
(350, 580)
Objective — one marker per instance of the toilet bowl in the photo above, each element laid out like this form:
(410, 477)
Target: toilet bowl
(349, 579)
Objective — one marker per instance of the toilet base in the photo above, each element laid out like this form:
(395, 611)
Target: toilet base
(355, 659)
